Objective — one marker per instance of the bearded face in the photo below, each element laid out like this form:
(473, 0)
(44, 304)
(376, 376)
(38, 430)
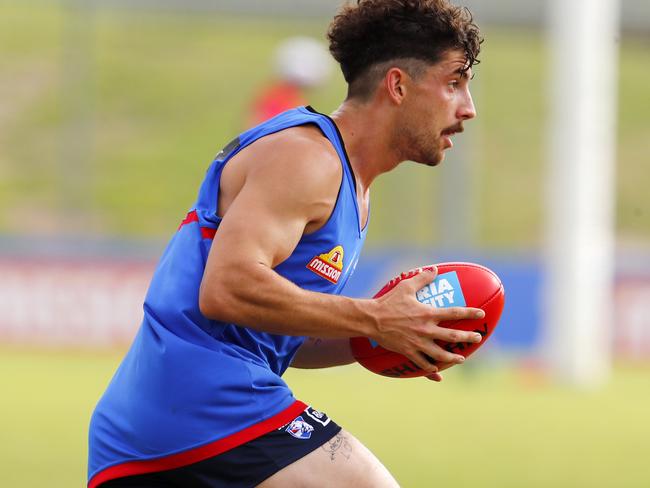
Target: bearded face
(434, 108)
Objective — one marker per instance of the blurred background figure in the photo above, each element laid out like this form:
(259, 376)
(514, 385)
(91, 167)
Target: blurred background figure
(300, 63)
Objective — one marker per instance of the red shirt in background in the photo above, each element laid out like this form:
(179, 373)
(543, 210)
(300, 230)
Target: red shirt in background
(275, 99)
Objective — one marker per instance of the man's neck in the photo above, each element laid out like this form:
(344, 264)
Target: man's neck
(367, 136)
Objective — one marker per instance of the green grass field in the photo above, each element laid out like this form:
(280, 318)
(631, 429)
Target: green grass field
(494, 427)
(112, 116)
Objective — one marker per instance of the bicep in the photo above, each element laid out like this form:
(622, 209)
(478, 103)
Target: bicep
(256, 233)
(262, 225)
(265, 221)
(261, 228)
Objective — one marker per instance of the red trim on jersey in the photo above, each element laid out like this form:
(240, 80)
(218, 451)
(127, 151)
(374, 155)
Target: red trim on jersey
(191, 217)
(206, 232)
(201, 453)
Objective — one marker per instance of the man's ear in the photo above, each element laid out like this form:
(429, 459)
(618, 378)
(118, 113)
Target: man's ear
(395, 84)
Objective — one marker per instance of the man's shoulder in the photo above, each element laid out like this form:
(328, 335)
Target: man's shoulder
(302, 150)
(301, 141)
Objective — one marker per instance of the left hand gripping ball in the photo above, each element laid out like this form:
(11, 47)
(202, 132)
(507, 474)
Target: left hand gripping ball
(456, 285)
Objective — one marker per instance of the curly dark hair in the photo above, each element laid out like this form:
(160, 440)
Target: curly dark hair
(372, 32)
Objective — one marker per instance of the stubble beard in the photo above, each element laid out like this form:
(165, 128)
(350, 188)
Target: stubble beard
(418, 146)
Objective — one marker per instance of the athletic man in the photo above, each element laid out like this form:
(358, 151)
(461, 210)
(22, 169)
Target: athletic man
(258, 263)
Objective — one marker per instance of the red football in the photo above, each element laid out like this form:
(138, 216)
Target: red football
(456, 285)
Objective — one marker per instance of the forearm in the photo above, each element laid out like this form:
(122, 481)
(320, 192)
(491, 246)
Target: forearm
(323, 353)
(255, 295)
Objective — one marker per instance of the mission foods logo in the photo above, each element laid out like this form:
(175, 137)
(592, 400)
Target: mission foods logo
(328, 265)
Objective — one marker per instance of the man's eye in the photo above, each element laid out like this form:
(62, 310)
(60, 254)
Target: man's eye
(453, 84)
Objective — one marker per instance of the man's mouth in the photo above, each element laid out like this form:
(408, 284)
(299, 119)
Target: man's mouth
(453, 130)
(447, 133)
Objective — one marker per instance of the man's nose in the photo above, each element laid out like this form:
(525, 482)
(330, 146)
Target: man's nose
(467, 110)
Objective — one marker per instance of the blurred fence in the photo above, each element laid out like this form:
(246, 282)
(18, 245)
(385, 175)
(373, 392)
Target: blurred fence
(70, 302)
(97, 302)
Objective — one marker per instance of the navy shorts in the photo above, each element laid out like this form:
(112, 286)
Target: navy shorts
(247, 465)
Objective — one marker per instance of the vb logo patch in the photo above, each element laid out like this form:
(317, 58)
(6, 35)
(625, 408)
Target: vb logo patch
(443, 292)
(328, 265)
(317, 416)
(299, 428)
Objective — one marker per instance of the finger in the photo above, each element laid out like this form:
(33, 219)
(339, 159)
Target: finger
(424, 362)
(455, 336)
(437, 377)
(422, 278)
(437, 354)
(457, 313)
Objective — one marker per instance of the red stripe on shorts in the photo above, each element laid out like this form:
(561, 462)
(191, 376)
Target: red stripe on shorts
(201, 453)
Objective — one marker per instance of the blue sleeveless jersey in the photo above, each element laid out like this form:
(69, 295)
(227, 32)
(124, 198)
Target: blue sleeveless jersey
(189, 387)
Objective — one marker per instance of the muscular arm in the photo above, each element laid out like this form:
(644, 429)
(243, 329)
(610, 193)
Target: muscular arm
(289, 187)
(275, 191)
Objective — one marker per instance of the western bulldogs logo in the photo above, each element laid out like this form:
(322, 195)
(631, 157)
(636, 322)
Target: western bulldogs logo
(299, 428)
